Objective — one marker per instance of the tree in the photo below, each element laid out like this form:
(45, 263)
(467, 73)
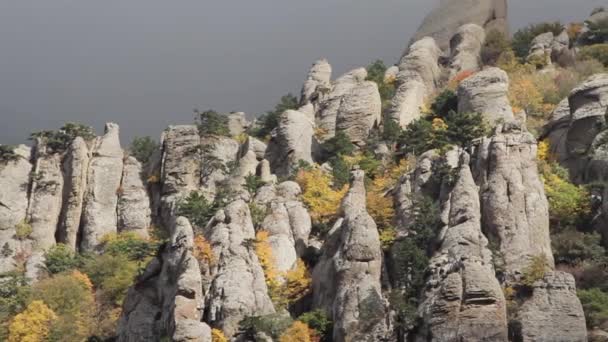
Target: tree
(270, 120)
(297, 282)
(522, 39)
(60, 258)
(203, 252)
(112, 274)
(263, 250)
(597, 32)
(375, 73)
(298, 332)
(196, 208)
(319, 321)
(142, 148)
(495, 44)
(33, 324)
(14, 297)
(59, 141)
(211, 122)
(572, 247)
(444, 103)
(7, 154)
(319, 196)
(340, 144)
(128, 244)
(595, 305)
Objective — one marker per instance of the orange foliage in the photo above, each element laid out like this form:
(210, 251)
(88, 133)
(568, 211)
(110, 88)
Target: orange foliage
(461, 76)
(83, 279)
(299, 332)
(203, 251)
(318, 195)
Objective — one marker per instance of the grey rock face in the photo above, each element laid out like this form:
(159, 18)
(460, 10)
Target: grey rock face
(486, 92)
(167, 298)
(133, 201)
(255, 145)
(417, 79)
(556, 131)
(216, 154)
(359, 112)
(237, 123)
(443, 21)
(75, 169)
(541, 47)
(514, 205)
(553, 312)
(465, 49)
(101, 198)
(318, 83)
(346, 281)
(291, 142)
(235, 287)
(463, 300)
(46, 197)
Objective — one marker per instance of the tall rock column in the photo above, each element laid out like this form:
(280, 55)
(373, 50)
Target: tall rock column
(133, 200)
(318, 83)
(346, 281)
(465, 49)
(291, 142)
(101, 198)
(486, 93)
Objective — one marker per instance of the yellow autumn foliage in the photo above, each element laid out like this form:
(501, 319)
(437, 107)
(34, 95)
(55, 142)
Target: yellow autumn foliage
(543, 152)
(523, 93)
(297, 282)
(33, 324)
(322, 201)
(83, 279)
(218, 336)
(298, 332)
(264, 252)
(203, 251)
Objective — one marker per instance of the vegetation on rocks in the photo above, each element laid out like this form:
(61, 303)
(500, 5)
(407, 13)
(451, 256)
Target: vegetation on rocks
(268, 121)
(7, 154)
(211, 122)
(142, 148)
(522, 39)
(59, 140)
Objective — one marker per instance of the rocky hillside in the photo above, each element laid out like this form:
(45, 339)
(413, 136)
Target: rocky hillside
(459, 195)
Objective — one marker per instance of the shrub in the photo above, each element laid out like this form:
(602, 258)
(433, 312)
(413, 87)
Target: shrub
(273, 325)
(391, 130)
(535, 271)
(23, 230)
(595, 306)
(128, 244)
(267, 122)
(597, 32)
(463, 128)
(211, 122)
(33, 324)
(203, 252)
(496, 43)
(218, 336)
(196, 208)
(523, 93)
(340, 171)
(522, 39)
(60, 258)
(568, 203)
(573, 247)
(319, 321)
(14, 297)
(318, 195)
(297, 282)
(375, 73)
(598, 52)
(340, 144)
(298, 332)
(444, 103)
(253, 183)
(142, 148)
(112, 274)
(263, 250)
(7, 154)
(258, 214)
(60, 140)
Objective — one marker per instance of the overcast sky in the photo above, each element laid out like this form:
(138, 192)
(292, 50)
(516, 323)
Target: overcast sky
(147, 63)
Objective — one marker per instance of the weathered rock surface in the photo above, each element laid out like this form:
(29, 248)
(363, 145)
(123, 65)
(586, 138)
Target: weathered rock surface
(101, 198)
(75, 170)
(346, 281)
(217, 153)
(540, 48)
(235, 287)
(291, 142)
(255, 145)
(553, 313)
(359, 112)
(167, 299)
(318, 83)
(133, 200)
(417, 79)
(514, 205)
(486, 92)
(443, 21)
(465, 49)
(463, 300)
(237, 123)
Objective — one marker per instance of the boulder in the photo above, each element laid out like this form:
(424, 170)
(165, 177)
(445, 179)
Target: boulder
(101, 197)
(463, 300)
(444, 20)
(133, 201)
(291, 142)
(417, 79)
(465, 49)
(359, 112)
(541, 47)
(235, 287)
(486, 92)
(346, 280)
(255, 145)
(75, 170)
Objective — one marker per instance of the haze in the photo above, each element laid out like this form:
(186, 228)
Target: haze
(147, 63)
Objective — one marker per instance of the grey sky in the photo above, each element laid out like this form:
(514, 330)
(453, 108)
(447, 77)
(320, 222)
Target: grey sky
(147, 63)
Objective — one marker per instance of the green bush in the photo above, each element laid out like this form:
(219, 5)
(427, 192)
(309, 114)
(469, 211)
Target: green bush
(60, 258)
(375, 73)
(463, 128)
(130, 245)
(391, 131)
(112, 274)
(14, 298)
(142, 148)
(573, 247)
(267, 122)
(258, 214)
(522, 39)
(253, 183)
(273, 325)
(340, 172)
(23, 230)
(597, 33)
(319, 321)
(340, 144)
(496, 43)
(60, 140)
(7, 154)
(535, 271)
(595, 306)
(444, 103)
(598, 52)
(196, 208)
(211, 122)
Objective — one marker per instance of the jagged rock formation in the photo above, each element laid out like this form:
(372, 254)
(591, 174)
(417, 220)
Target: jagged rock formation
(237, 123)
(417, 79)
(291, 142)
(167, 300)
(360, 111)
(465, 49)
(235, 287)
(463, 300)
(444, 20)
(318, 83)
(486, 92)
(346, 281)
(547, 48)
(133, 201)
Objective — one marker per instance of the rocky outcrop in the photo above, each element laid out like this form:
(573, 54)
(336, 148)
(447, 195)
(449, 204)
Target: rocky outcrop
(75, 170)
(103, 182)
(463, 300)
(318, 83)
(540, 48)
(235, 287)
(515, 212)
(486, 93)
(291, 142)
(443, 21)
(254, 145)
(14, 182)
(167, 299)
(237, 123)
(553, 312)
(217, 154)
(359, 112)
(555, 131)
(465, 49)
(133, 201)
(417, 79)
(346, 281)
